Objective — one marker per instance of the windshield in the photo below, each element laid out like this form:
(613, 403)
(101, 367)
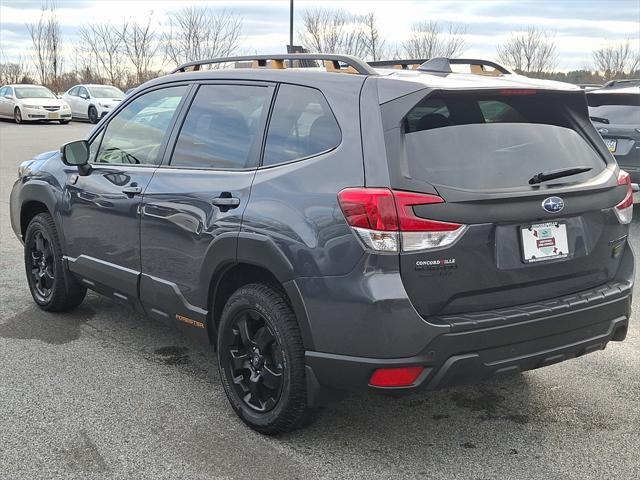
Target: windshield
(33, 92)
(106, 92)
(492, 142)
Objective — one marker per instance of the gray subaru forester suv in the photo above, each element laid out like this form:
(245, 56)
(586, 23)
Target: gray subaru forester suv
(389, 227)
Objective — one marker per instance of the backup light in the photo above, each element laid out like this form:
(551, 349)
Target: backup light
(385, 221)
(395, 377)
(624, 210)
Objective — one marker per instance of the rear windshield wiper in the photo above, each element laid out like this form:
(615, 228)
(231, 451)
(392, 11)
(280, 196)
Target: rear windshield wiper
(599, 119)
(553, 174)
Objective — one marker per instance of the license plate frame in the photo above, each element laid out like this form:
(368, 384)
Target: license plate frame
(612, 144)
(550, 242)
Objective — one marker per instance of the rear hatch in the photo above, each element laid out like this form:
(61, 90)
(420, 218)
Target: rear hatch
(616, 116)
(513, 239)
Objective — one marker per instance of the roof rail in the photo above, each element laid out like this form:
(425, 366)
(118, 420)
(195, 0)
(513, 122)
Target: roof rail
(332, 62)
(443, 65)
(403, 64)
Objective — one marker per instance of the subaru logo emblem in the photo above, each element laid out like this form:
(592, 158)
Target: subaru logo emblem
(553, 204)
(603, 130)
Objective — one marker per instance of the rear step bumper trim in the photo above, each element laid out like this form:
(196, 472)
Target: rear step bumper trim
(531, 311)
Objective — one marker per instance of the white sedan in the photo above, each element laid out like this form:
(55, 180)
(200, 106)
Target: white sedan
(32, 102)
(92, 102)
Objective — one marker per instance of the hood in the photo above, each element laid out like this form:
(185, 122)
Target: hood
(43, 102)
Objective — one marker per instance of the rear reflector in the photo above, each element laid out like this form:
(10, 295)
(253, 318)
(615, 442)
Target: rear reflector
(395, 377)
(624, 210)
(384, 218)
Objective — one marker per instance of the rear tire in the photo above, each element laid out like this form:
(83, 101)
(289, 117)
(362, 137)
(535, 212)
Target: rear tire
(17, 116)
(93, 115)
(52, 286)
(261, 360)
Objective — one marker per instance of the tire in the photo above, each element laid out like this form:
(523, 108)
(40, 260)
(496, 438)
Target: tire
(277, 403)
(52, 286)
(17, 116)
(93, 115)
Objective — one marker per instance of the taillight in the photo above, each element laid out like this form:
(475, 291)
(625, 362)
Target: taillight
(384, 219)
(624, 210)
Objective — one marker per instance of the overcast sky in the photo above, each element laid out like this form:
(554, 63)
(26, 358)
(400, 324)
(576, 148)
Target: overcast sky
(580, 25)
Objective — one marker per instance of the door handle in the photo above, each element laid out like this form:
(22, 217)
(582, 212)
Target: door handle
(225, 200)
(132, 190)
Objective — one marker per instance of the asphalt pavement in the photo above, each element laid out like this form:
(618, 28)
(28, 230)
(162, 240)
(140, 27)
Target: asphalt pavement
(105, 393)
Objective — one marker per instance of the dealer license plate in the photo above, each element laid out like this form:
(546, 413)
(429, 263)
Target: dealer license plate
(544, 241)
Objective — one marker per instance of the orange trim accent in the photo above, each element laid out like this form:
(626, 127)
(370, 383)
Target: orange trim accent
(189, 321)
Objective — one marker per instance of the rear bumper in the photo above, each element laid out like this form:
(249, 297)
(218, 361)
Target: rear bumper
(477, 355)
(485, 345)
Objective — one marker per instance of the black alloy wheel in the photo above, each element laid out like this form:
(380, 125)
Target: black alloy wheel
(42, 266)
(256, 362)
(261, 360)
(17, 116)
(52, 286)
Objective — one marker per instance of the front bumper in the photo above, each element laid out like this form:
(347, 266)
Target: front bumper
(489, 344)
(43, 114)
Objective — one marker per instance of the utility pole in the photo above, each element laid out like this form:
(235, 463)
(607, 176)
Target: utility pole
(291, 23)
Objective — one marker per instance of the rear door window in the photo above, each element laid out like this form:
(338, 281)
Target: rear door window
(223, 127)
(302, 125)
(490, 141)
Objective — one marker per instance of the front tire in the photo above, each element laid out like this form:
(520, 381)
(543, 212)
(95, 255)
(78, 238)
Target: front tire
(17, 116)
(93, 115)
(261, 360)
(64, 122)
(52, 287)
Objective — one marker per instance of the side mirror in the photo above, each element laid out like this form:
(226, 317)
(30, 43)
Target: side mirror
(84, 96)
(76, 154)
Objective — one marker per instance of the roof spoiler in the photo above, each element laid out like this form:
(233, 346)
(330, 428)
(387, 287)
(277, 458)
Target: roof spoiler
(332, 62)
(443, 65)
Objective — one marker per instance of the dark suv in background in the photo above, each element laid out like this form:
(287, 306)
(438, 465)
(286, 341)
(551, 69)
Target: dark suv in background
(346, 226)
(615, 112)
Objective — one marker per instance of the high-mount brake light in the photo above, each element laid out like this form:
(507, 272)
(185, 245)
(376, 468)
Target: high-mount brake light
(518, 91)
(624, 210)
(384, 220)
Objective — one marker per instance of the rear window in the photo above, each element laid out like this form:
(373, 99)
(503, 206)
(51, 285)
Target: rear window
(615, 108)
(489, 141)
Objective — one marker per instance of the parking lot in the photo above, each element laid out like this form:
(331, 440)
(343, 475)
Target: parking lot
(105, 393)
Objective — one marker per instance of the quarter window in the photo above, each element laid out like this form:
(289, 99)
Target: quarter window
(222, 128)
(135, 134)
(302, 125)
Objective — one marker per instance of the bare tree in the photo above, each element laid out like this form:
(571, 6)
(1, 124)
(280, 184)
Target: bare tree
(198, 32)
(105, 43)
(141, 45)
(46, 38)
(429, 40)
(532, 51)
(333, 31)
(617, 60)
(13, 72)
(375, 45)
